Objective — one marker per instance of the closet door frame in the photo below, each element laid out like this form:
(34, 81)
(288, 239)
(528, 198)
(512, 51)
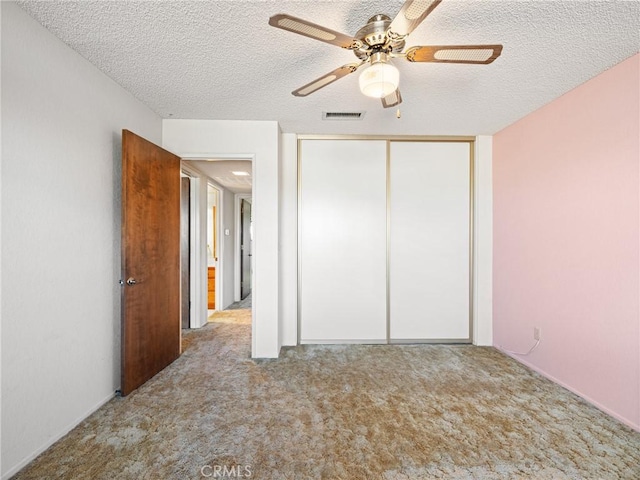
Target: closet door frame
(389, 139)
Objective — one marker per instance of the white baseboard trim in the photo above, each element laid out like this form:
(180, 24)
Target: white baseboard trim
(341, 342)
(32, 456)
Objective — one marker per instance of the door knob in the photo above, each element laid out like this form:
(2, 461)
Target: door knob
(131, 281)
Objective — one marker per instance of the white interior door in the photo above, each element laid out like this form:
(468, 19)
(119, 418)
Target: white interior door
(429, 241)
(343, 241)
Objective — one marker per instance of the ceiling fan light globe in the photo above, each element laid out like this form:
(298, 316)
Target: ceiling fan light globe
(379, 80)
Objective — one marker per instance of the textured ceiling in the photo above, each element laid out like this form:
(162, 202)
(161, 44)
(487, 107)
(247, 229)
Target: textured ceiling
(221, 59)
(222, 172)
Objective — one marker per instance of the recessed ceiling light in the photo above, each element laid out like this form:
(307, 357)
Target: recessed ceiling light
(241, 174)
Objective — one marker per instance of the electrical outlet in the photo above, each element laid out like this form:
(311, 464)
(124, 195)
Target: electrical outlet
(536, 333)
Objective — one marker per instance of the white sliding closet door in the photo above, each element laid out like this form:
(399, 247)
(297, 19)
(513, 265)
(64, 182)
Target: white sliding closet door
(342, 241)
(429, 241)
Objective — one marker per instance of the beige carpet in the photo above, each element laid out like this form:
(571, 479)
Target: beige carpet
(343, 412)
(240, 317)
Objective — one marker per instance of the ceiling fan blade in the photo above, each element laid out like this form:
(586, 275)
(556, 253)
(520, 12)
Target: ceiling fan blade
(472, 54)
(412, 13)
(312, 30)
(325, 80)
(392, 99)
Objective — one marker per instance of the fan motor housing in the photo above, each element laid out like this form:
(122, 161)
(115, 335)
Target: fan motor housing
(374, 36)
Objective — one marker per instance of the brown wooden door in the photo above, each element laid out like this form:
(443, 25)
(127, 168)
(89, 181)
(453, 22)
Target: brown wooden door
(150, 260)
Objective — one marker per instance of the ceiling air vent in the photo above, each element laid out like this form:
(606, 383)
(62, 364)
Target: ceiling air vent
(342, 115)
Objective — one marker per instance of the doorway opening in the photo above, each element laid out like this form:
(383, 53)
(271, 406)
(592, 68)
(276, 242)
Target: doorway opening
(221, 268)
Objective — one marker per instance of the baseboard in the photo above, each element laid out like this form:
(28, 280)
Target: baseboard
(342, 342)
(590, 400)
(29, 458)
(434, 341)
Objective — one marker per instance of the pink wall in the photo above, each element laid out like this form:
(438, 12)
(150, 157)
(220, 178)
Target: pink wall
(567, 240)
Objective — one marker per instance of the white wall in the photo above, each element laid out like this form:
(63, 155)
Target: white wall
(289, 240)
(61, 157)
(199, 286)
(483, 236)
(258, 140)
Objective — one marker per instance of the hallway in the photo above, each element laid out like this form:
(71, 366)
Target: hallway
(246, 303)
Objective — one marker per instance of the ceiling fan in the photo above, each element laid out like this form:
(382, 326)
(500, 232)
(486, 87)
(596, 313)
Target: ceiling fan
(377, 43)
